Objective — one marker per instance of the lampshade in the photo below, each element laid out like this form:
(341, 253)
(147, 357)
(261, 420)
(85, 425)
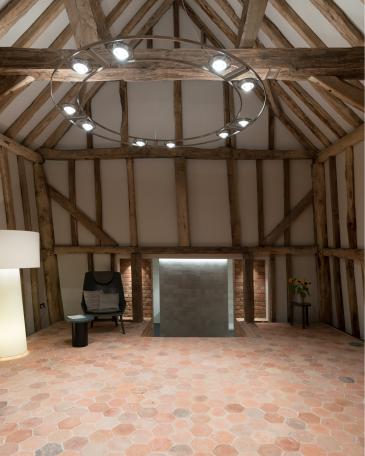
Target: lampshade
(19, 249)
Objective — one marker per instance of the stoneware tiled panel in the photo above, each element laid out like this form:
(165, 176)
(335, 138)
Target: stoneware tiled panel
(194, 298)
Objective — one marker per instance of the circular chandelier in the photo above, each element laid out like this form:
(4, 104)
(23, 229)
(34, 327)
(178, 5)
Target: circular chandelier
(108, 56)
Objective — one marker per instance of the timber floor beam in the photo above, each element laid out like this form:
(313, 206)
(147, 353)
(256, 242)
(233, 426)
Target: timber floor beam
(220, 153)
(194, 250)
(289, 64)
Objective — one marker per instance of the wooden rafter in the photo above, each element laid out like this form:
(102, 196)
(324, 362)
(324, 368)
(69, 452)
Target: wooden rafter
(335, 15)
(202, 26)
(253, 12)
(314, 41)
(217, 20)
(12, 12)
(343, 90)
(13, 85)
(279, 40)
(230, 12)
(295, 108)
(316, 107)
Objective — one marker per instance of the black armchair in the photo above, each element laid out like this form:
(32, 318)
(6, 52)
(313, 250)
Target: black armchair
(110, 288)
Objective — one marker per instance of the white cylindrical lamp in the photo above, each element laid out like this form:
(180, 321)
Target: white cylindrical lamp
(18, 249)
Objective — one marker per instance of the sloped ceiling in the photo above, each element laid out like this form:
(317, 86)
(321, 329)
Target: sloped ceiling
(29, 116)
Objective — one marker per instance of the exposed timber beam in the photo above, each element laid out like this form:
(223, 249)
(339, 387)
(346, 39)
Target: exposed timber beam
(217, 20)
(40, 24)
(352, 240)
(80, 216)
(300, 114)
(12, 12)
(33, 273)
(7, 191)
(343, 143)
(14, 147)
(349, 254)
(49, 259)
(256, 251)
(316, 107)
(181, 182)
(336, 243)
(284, 224)
(289, 64)
(320, 218)
(219, 153)
(87, 21)
(202, 26)
(60, 131)
(253, 12)
(288, 13)
(335, 15)
(342, 90)
(65, 125)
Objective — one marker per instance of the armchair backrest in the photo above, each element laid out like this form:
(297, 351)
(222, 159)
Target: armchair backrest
(106, 281)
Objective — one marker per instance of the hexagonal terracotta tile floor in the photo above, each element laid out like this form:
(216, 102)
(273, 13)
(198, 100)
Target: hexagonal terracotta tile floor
(289, 392)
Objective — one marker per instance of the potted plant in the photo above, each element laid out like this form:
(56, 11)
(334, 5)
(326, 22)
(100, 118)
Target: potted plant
(299, 287)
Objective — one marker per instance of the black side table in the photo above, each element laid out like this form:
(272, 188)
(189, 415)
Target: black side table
(79, 329)
(305, 312)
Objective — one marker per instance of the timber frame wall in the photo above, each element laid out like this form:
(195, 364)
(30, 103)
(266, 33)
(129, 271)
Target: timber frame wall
(44, 192)
(334, 90)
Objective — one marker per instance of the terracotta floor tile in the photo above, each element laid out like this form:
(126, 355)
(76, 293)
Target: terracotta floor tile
(285, 393)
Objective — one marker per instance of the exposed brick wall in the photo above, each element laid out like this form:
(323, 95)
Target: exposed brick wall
(259, 288)
(147, 288)
(125, 270)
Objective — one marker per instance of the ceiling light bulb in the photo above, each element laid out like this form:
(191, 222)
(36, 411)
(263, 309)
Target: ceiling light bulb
(87, 125)
(247, 85)
(140, 142)
(69, 109)
(243, 122)
(121, 51)
(219, 63)
(170, 144)
(223, 134)
(81, 66)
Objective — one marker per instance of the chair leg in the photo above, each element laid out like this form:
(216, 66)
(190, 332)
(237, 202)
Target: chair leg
(303, 317)
(92, 323)
(122, 324)
(115, 319)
